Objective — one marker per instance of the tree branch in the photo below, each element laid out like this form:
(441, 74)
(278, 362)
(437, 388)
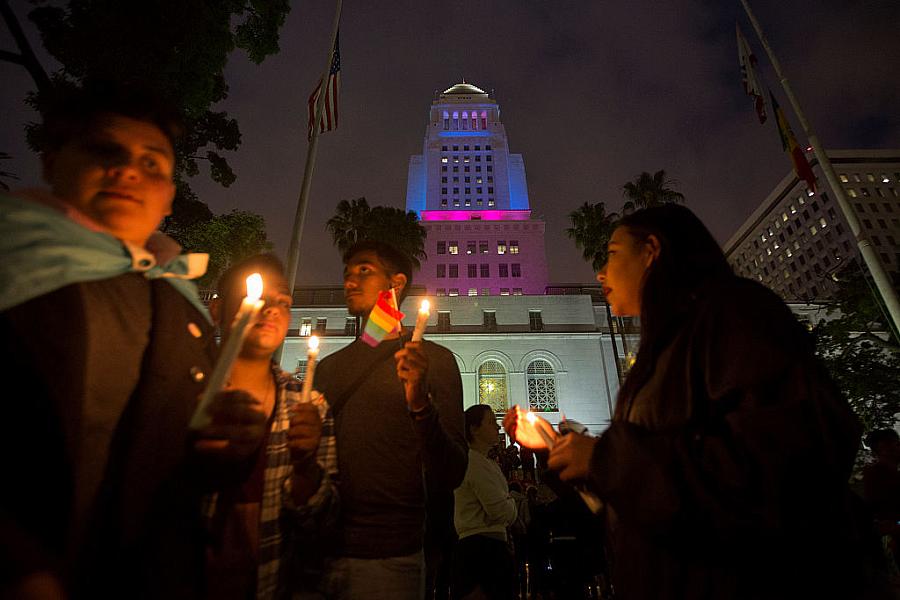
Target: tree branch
(26, 56)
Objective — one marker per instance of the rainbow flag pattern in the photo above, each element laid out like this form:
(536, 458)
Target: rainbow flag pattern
(384, 319)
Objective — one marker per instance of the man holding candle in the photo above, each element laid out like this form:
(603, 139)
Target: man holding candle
(104, 347)
(398, 418)
(289, 481)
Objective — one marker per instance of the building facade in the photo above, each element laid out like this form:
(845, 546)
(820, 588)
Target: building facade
(471, 195)
(557, 354)
(796, 241)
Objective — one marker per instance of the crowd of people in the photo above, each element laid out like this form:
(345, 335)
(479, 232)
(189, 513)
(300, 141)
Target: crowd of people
(722, 475)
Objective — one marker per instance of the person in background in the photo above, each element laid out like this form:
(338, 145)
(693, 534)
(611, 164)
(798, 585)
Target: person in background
(483, 566)
(285, 501)
(104, 349)
(725, 468)
(881, 488)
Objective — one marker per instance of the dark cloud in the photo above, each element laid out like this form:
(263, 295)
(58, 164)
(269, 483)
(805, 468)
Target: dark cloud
(591, 92)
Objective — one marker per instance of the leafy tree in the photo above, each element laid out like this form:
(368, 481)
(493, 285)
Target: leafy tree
(355, 221)
(179, 48)
(591, 229)
(862, 357)
(227, 238)
(650, 190)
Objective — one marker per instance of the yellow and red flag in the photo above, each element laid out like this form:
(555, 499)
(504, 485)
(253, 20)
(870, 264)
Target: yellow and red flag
(790, 145)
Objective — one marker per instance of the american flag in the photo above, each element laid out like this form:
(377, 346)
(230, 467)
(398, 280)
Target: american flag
(329, 118)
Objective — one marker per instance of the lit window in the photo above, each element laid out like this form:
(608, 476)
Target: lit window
(454, 247)
(870, 177)
(513, 246)
(852, 193)
(470, 247)
(822, 222)
(444, 159)
(517, 291)
(453, 292)
(305, 326)
(492, 386)
(501, 247)
(844, 178)
(504, 291)
(490, 201)
(541, 382)
(813, 230)
(485, 291)
(483, 247)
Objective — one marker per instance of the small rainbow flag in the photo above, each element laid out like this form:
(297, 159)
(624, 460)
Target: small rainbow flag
(383, 319)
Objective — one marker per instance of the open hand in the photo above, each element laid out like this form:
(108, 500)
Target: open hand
(525, 431)
(412, 369)
(237, 425)
(571, 456)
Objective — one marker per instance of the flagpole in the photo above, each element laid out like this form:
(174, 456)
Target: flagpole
(879, 275)
(302, 201)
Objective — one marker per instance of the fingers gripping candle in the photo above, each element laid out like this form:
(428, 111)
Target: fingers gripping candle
(311, 355)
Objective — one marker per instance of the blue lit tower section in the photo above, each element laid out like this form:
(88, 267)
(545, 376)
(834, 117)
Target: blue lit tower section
(472, 197)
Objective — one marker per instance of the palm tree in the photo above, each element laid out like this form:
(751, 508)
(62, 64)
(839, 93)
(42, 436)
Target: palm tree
(591, 229)
(650, 190)
(349, 223)
(355, 221)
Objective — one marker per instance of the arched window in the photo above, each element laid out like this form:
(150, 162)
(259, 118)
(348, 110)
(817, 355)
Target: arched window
(541, 386)
(492, 386)
(484, 119)
(455, 120)
(465, 120)
(446, 120)
(474, 120)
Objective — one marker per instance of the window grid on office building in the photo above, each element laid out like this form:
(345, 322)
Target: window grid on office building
(541, 386)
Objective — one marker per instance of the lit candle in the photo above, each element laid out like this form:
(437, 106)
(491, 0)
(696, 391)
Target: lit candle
(538, 423)
(311, 355)
(590, 499)
(421, 321)
(244, 319)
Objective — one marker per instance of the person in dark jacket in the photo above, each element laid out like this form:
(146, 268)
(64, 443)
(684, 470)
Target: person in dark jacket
(104, 350)
(724, 471)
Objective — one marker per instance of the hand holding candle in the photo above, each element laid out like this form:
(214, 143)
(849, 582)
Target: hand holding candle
(244, 319)
(311, 355)
(421, 321)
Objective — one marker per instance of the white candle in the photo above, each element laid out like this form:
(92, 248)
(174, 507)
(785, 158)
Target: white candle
(244, 319)
(533, 419)
(421, 321)
(311, 355)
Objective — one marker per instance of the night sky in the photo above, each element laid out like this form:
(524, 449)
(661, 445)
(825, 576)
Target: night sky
(591, 94)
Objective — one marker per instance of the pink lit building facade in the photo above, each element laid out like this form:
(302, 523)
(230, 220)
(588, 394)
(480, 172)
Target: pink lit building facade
(471, 195)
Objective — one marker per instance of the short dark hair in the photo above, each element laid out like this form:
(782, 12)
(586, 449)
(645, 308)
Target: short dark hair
(235, 274)
(876, 437)
(475, 417)
(70, 112)
(393, 259)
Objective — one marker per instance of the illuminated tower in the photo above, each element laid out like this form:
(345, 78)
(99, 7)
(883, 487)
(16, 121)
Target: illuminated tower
(471, 196)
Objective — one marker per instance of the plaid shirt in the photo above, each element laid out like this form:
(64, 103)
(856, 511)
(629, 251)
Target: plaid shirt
(278, 510)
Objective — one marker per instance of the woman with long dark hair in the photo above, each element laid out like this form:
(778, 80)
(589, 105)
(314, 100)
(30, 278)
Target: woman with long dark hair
(724, 470)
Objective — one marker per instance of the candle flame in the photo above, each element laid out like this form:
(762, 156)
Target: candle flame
(254, 287)
(425, 306)
(530, 416)
(313, 342)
